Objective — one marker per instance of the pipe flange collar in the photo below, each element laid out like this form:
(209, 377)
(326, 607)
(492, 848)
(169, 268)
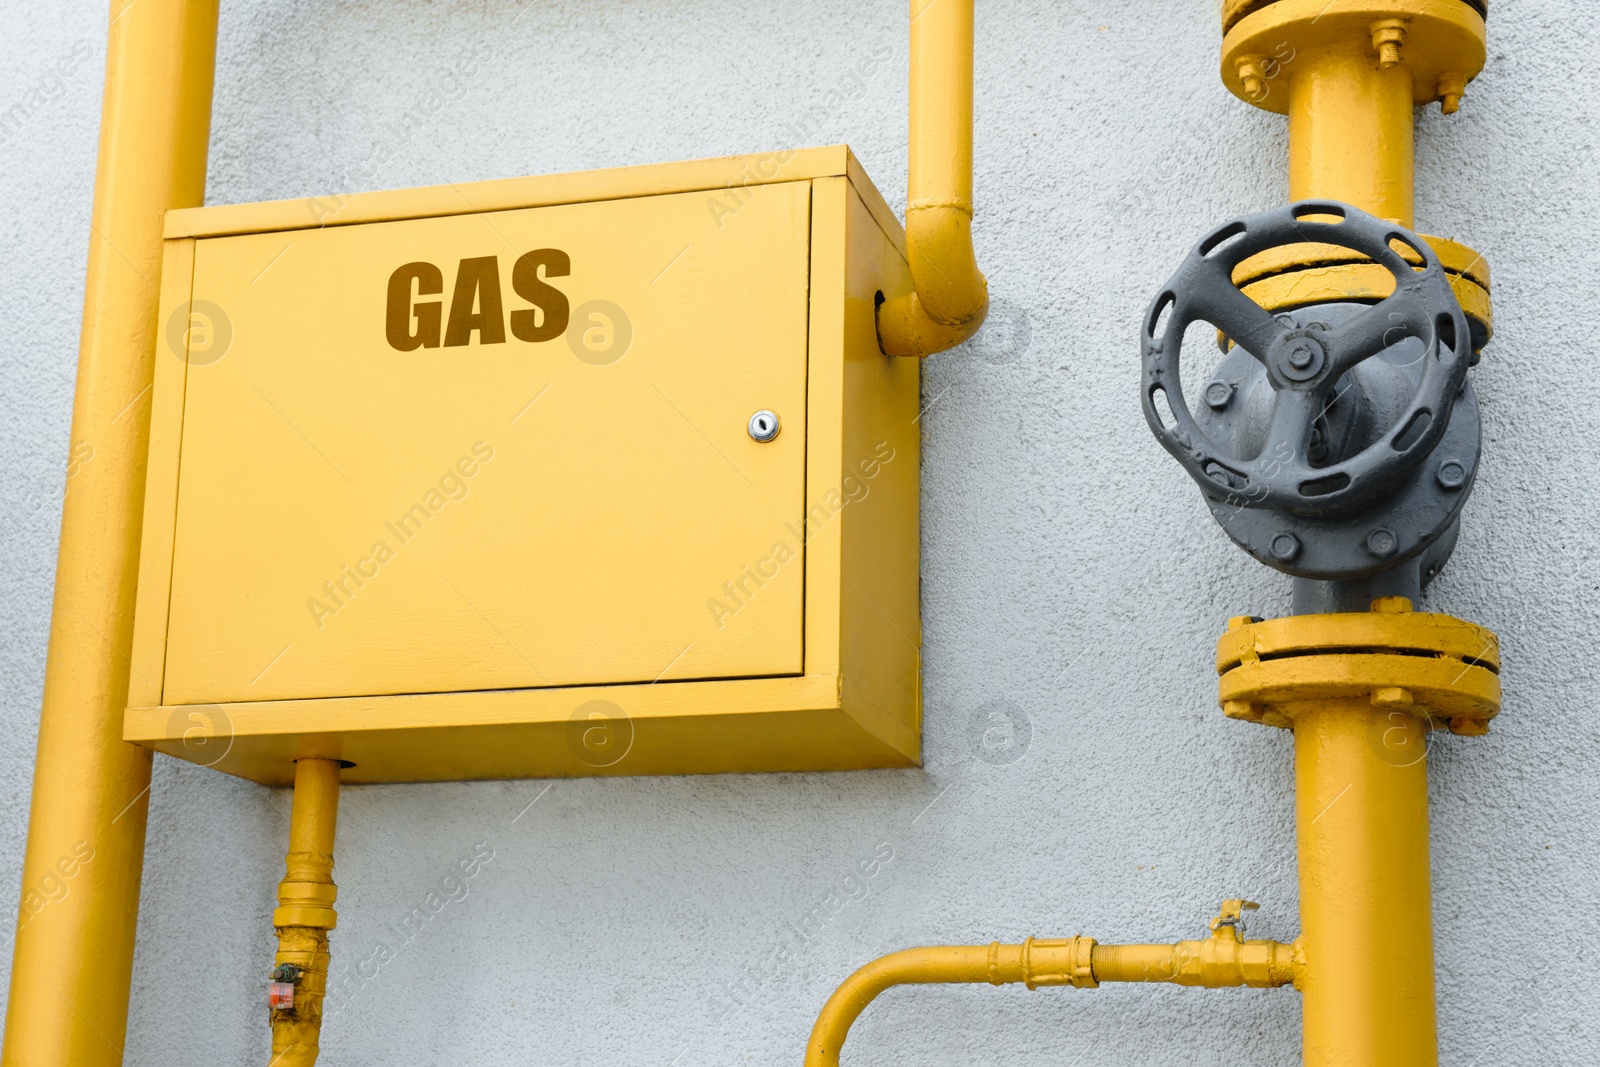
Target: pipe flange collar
(1435, 667)
(1264, 42)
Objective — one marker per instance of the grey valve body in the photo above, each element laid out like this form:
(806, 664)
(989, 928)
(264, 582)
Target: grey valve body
(1338, 442)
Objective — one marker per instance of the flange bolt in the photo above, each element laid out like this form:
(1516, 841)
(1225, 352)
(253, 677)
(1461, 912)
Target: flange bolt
(1452, 87)
(1285, 547)
(1254, 85)
(1382, 543)
(1219, 394)
(1452, 474)
(1387, 37)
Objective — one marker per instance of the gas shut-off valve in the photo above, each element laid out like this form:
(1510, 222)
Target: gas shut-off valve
(1336, 442)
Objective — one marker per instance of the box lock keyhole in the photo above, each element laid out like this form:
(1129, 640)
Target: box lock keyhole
(763, 425)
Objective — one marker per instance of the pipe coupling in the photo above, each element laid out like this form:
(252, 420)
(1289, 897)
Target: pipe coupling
(1058, 962)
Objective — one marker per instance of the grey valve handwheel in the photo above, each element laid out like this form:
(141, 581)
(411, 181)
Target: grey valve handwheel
(1305, 364)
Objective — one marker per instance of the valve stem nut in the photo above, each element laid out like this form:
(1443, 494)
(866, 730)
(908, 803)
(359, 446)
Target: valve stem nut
(1285, 547)
(1387, 37)
(1382, 543)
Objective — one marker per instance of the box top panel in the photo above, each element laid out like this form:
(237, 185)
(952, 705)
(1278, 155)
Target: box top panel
(728, 172)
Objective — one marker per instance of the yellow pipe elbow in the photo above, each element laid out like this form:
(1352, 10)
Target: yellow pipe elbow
(1033, 963)
(950, 296)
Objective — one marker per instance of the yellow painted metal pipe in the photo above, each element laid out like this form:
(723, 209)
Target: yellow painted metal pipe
(951, 295)
(305, 912)
(1222, 960)
(1366, 905)
(1361, 781)
(1360, 692)
(1207, 964)
(73, 959)
(1350, 133)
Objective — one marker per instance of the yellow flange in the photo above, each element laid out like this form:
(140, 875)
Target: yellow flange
(1297, 276)
(1442, 42)
(1435, 667)
(1234, 10)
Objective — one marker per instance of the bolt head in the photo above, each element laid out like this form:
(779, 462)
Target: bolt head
(1452, 474)
(1392, 697)
(1284, 547)
(1219, 395)
(1382, 543)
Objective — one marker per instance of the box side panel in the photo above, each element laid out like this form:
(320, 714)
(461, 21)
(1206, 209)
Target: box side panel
(177, 332)
(880, 481)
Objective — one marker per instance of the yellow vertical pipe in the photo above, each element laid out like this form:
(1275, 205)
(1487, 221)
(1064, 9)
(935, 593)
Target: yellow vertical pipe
(305, 910)
(73, 958)
(950, 296)
(1350, 133)
(1366, 908)
(939, 189)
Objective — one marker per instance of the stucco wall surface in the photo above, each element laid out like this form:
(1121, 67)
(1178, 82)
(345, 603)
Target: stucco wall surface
(1070, 569)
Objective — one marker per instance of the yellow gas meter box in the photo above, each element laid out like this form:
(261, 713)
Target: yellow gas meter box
(595, 473)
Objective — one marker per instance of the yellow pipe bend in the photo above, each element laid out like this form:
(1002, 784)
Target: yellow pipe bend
(996, 964)
(950, 296)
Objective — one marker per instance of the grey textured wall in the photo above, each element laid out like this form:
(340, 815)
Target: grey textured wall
(1070, 568)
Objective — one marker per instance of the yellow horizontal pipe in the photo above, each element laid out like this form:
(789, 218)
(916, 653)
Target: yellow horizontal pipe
(1213, 963)
(950, 296)
(1219, 961)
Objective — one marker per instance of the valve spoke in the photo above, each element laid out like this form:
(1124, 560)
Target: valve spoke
(1218, 301)
(1382, 326)
(1294, 412)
